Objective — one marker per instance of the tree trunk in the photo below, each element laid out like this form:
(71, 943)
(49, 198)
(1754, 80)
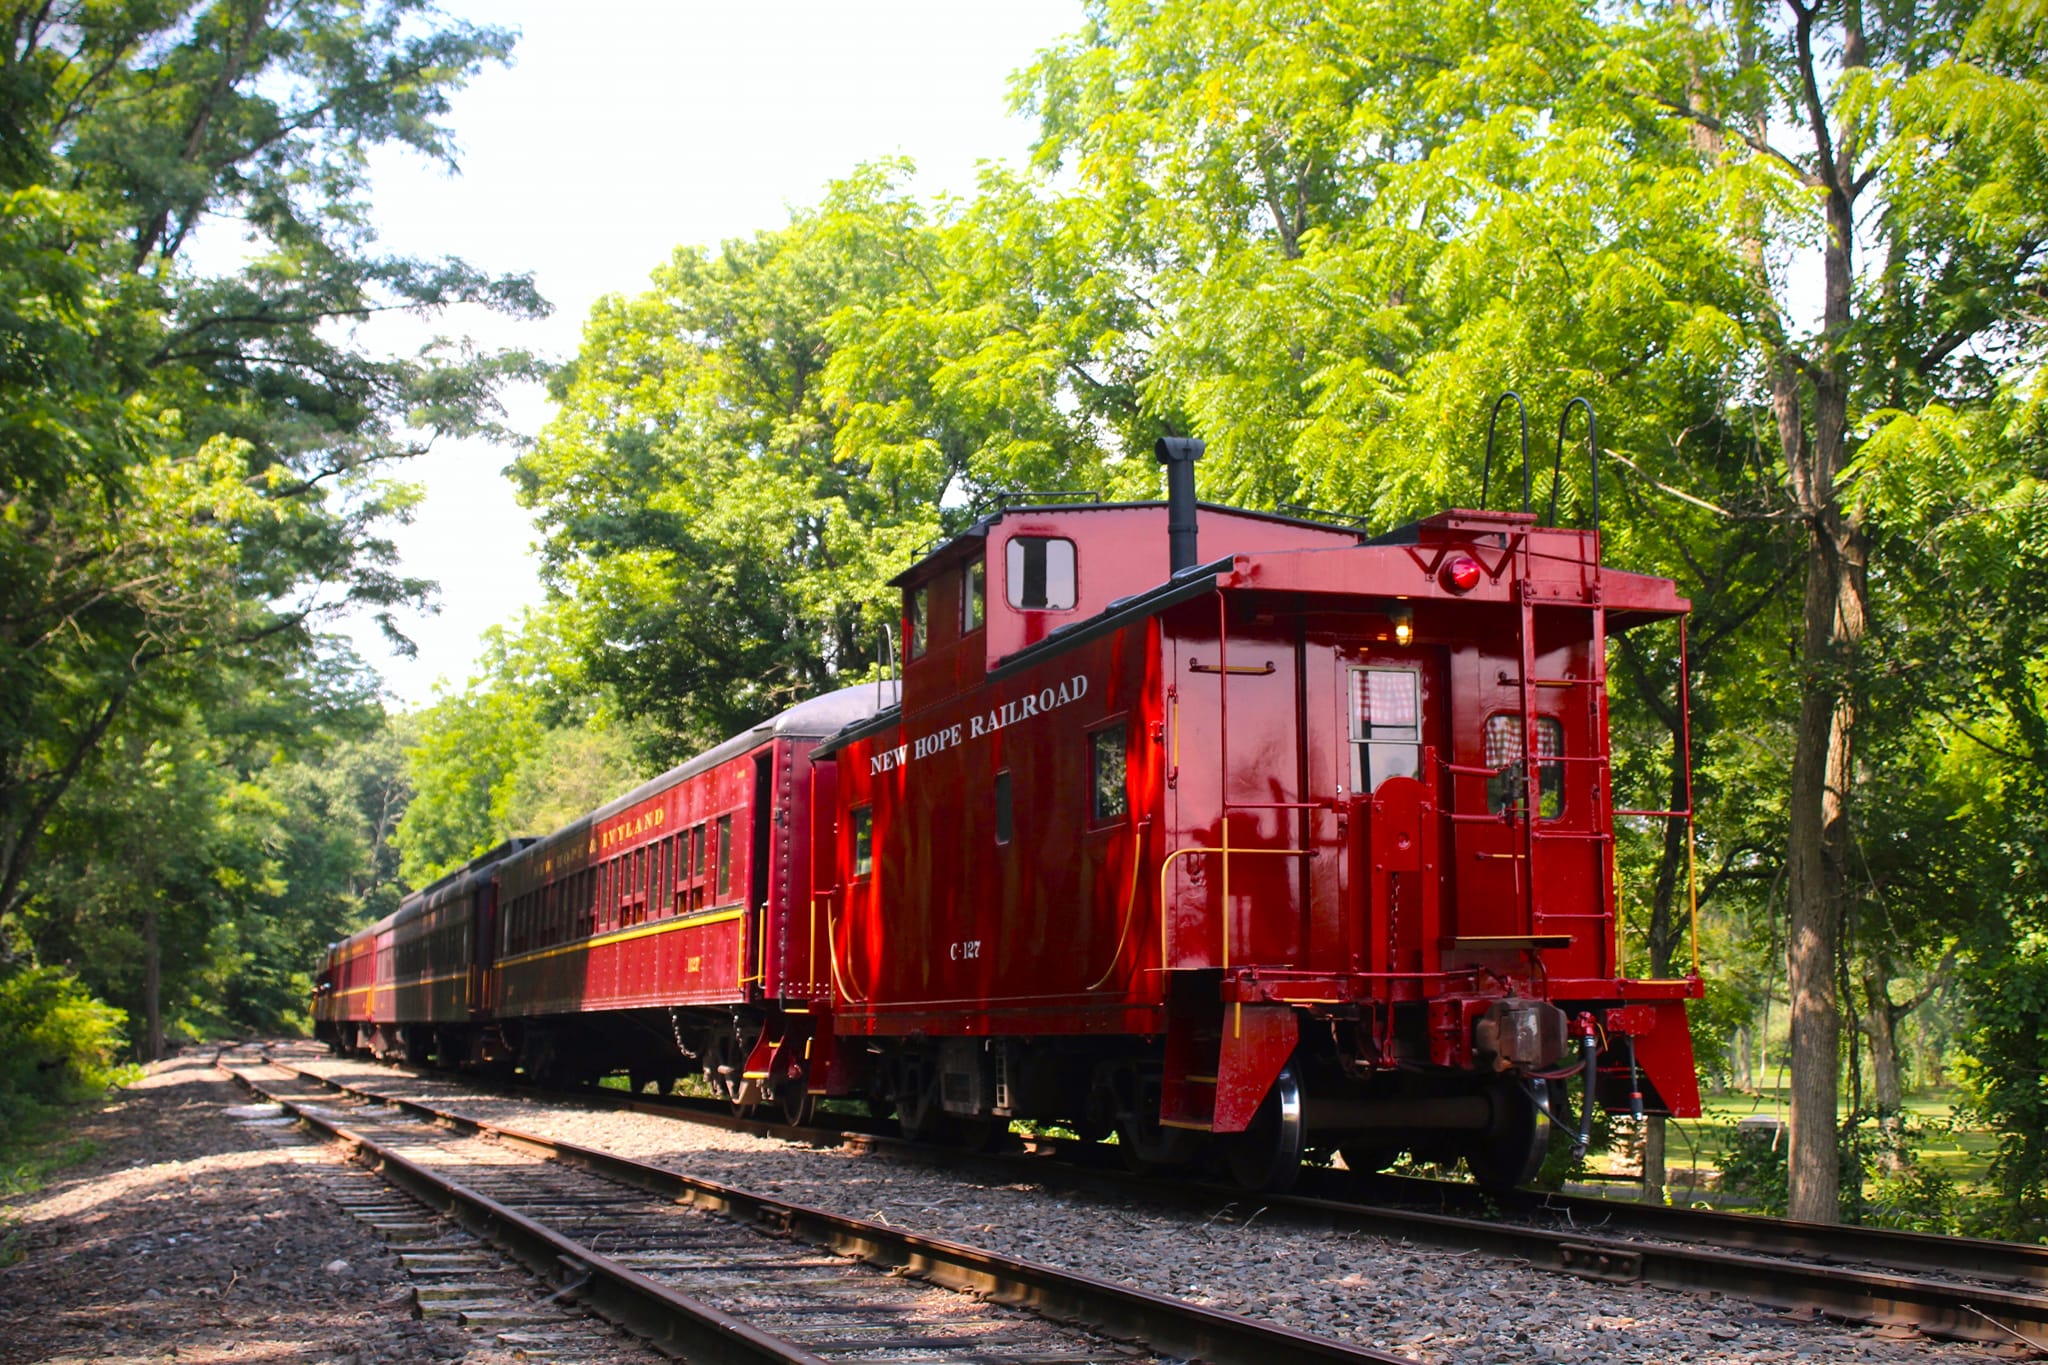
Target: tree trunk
(1817, 859)
(1832, 626)
(152, 990)
(1881, 1026)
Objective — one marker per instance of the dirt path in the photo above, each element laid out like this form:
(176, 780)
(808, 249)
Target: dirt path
(194, 1238)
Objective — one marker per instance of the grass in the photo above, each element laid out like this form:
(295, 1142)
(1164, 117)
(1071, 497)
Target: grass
(1942, 1185)
(34, 1145)
(1944, 1140)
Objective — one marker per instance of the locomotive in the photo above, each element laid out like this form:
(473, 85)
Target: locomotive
(1244, 837)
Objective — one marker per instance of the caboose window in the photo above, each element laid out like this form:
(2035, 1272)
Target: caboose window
(863, 841)
(724, 856)
(1504, 755)
(1386, 725)
(1005, 819)
(917, 629)
(973, 596)
(1041, 573)
(1106, 751)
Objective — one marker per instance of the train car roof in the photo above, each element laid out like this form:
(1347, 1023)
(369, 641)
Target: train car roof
(1336, 525)
(817, 718)
(448, 886)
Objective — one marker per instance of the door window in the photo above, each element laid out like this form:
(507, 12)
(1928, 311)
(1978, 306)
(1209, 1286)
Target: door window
(1386, 725)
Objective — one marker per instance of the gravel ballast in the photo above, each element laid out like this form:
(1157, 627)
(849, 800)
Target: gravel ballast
(198, 1234)
(1439, 1306)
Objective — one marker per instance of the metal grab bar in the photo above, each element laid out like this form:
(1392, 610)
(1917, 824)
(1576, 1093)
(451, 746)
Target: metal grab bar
(1486, 471)
(1166, 866)
(1138, 834)
(1592, 459)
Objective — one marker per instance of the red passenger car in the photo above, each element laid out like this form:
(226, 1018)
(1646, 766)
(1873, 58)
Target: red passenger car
(1234, 849)
(416, 981)
(673, 928)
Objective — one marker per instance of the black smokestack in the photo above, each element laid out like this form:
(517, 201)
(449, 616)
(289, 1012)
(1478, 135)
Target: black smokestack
(1178, 454)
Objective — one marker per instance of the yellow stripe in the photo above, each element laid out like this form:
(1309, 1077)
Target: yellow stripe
(407, 983)
(623, 935)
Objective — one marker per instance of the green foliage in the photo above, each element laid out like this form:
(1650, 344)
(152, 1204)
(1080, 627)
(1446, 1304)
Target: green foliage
(521, 750)
(193, 465)
(1753, 1167)
(2007, 1021)
(58, 1045)
(195, 474)
(745, 455)
(242, 849)
(1884, 1183)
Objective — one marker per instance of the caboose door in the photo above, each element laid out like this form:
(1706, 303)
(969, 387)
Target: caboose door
(1394, 725)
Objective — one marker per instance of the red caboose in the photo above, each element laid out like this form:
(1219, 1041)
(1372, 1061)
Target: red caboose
(1234, 849)
(674, 925)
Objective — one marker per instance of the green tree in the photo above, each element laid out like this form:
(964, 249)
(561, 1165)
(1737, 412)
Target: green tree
(746, 454)
(193, 464)
(1902, 144)
(1360, 223)
(204, 857)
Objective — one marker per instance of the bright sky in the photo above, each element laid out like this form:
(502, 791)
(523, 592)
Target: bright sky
(627, 128)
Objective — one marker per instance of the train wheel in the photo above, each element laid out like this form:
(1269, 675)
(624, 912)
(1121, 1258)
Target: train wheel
(795, 1102)
(1267, 1155)
(1511, 1151)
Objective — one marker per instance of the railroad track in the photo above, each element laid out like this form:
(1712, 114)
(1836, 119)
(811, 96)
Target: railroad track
(1953, 1288)
(715, 1273)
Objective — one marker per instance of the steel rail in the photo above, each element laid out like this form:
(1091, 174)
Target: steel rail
(1745, 1262)
(1165, 1325)
(2016, 1263)
(674, 1322)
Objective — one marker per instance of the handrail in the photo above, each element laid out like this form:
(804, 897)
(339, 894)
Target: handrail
(1592, 458)
(1166, 865)
(1130, 901)
(832, 954)
(1486, 471)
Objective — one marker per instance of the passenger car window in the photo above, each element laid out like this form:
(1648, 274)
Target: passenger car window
(724, 856)
(1040, 573)
(1504, 755)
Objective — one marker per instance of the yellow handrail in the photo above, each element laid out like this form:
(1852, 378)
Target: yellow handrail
(832, 956)
(1130, 901)
(1166, 865)
(1692, 887)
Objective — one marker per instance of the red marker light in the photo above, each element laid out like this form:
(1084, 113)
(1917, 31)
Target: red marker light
(1461, 574)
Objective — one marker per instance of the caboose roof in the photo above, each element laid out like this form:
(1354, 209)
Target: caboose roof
(1194, 581)
(978, 532)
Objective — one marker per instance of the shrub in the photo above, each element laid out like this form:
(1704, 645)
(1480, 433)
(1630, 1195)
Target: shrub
(58, 1043)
